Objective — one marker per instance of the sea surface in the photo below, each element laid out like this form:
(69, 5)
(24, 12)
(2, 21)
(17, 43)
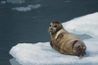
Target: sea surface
(28, 20)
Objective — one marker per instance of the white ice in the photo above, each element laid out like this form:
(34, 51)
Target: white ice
(87, 24)
(27, 8)
(41, 53)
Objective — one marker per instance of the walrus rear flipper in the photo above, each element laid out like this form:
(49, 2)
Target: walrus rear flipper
(79, 48)
(80, 51)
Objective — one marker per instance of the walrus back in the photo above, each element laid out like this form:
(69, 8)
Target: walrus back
(68, 44)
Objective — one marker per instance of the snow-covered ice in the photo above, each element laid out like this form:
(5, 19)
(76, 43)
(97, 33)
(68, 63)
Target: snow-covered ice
(87, 24)
(41, 53)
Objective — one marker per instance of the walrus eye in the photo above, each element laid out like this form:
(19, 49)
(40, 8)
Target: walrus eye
(55, 26)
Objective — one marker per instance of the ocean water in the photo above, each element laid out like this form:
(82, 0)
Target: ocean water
(27, 21)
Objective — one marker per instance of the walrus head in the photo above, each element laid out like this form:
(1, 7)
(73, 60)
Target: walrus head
(54, 27)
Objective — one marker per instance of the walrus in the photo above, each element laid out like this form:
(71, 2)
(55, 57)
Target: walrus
(64, 41)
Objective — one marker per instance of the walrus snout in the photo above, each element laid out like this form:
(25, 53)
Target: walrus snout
(52, 29)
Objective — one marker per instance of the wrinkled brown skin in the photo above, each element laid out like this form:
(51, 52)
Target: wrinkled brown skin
(65, 42)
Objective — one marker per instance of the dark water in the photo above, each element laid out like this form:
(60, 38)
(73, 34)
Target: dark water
(32, 26)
